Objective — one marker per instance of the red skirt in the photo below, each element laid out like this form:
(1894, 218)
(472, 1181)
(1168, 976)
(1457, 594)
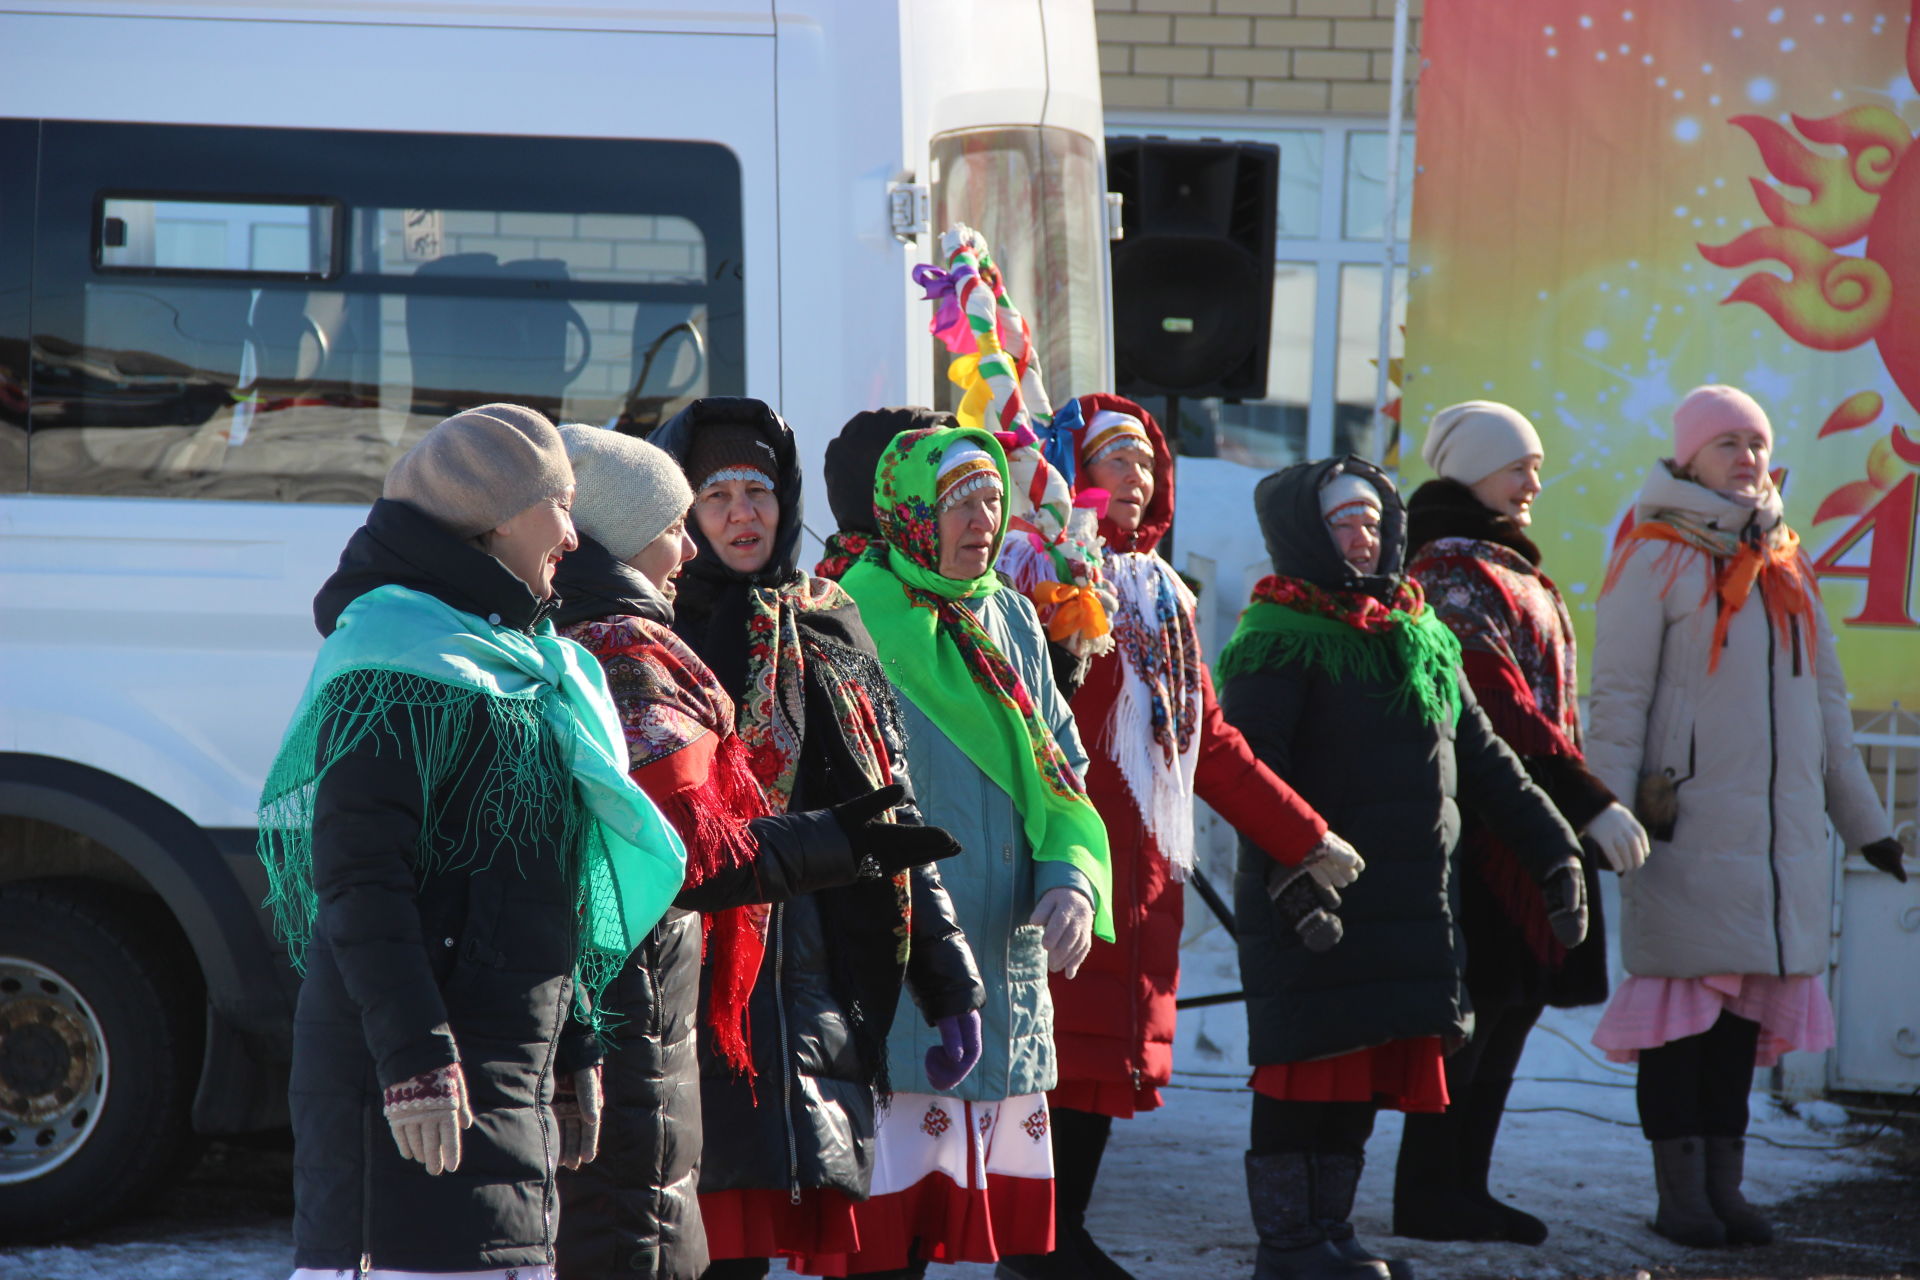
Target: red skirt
(764, 1223)
(1405, 1075)
(1105, 1098)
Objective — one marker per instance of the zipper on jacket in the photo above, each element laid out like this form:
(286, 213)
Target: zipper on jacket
(1773, 778)
(366, 1192)
(549, 1159)
(786, 1053)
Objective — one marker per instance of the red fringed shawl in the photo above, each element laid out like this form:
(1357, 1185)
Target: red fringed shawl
(685, 755)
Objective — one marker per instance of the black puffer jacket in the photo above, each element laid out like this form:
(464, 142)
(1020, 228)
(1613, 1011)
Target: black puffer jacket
(635, 1211)
(1385, 780)
(819, 1013)
(406, 975)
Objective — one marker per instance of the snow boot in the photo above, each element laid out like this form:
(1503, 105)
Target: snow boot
(1726, 1169)
(1293, 1245)
(1336, 1177)
(1482, 1107)
(1680, 1175)
(1431, 1199)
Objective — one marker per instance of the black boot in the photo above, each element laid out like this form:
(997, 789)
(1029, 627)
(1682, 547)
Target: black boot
(1430, 1200)
(1680, 1174)
(1336, 1177)
(1079, 1144)
(1293, 1245)
(1482, 1108)
(1726, 1169)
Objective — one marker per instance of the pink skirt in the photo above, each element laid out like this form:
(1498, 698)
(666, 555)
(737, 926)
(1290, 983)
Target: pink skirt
(1646, 1013)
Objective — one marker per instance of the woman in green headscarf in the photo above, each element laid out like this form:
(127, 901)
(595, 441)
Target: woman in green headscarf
(1002, 766)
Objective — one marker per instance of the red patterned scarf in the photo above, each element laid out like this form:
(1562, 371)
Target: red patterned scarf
(684, 753)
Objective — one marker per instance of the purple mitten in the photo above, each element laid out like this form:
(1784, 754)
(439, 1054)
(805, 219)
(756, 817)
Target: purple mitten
(958, 1051)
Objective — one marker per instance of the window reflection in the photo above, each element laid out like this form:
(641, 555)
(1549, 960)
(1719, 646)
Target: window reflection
(1038, 196)
(1366, 202)
(185, 362)
(1356, 369)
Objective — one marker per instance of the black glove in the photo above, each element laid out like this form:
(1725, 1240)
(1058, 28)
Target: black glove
(1566, 895)
(883, 849)
(1885, 856)
(1305, 905)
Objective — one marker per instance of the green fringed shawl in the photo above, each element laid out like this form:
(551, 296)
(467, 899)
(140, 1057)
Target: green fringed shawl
(418, 678)
(1416, 654)
(946, 663)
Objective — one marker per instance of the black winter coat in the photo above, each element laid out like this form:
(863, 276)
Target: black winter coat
(634, 1211)
(819, 1020)
(1391, 784)
(408, 974)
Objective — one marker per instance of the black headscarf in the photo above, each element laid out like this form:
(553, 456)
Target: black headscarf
(854, 455)
(711, 611)
(1301, 545)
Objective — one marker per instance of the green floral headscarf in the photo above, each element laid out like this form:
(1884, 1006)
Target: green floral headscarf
(947, 665)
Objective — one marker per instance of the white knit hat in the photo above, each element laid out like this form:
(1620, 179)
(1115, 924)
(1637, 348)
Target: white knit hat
(628, 491)
(1344, 492)
(1470, 441)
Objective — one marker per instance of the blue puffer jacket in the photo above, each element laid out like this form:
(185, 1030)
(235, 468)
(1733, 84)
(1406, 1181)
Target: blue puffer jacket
(995, 882)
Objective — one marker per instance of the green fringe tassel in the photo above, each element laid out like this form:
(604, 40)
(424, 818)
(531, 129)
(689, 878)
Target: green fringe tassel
(1419, 657)
(427, 727)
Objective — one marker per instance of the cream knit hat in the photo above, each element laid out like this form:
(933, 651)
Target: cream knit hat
(629, 491)
(478, 469)
(1470, 441)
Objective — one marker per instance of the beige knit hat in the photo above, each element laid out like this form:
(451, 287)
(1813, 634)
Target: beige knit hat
(479, 469)
(629, 491)
(1470, 441)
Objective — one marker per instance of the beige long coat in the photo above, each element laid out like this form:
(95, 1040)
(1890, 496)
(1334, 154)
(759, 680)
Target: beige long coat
(1761, 752)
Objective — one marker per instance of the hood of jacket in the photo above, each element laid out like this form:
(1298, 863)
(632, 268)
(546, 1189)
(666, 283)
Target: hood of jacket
(854, 455)
(1299, 543)
(1664, 492)
(1444, 508)
(592, 584)
(706, 578)
(1159, 514)
(400, 545)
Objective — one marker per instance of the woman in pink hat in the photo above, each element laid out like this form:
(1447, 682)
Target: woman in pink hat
(1719, 705)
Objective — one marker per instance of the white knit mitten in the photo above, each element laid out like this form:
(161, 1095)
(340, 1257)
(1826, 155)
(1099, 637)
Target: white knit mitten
(1333, 863)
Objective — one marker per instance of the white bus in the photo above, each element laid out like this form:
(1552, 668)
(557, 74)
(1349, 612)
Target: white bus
(249, 251)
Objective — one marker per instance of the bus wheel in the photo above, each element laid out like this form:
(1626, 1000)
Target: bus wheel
(101, 1019)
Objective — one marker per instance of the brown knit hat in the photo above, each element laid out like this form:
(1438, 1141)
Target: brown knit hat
(725, 445)
(479, 469)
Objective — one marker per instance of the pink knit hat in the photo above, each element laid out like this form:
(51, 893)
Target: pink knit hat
(1713, 411)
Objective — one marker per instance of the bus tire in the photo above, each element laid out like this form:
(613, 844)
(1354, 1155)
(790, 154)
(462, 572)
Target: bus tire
(102, 1015)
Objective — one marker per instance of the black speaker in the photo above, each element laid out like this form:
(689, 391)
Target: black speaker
(1193, 275)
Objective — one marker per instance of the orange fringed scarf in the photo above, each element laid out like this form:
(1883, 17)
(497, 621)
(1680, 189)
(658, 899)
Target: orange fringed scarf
(1772, 558)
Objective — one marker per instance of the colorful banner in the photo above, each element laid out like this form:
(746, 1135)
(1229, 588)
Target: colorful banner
(1618, 202)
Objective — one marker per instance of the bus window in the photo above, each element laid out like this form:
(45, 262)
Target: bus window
(206, 326)
(1038, 194)
(17, 142)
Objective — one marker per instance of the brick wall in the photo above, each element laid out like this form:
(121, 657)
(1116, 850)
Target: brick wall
(1292, 56)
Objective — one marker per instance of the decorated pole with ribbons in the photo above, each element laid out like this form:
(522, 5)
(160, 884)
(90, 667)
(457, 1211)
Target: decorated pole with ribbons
(1052, 549)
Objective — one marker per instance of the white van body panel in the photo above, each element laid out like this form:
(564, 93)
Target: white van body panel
(166, 641)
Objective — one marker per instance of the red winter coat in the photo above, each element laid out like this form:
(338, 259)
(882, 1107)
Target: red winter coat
(1113, 1023)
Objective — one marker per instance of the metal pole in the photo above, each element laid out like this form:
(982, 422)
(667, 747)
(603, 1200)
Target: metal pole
(1389, 233)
